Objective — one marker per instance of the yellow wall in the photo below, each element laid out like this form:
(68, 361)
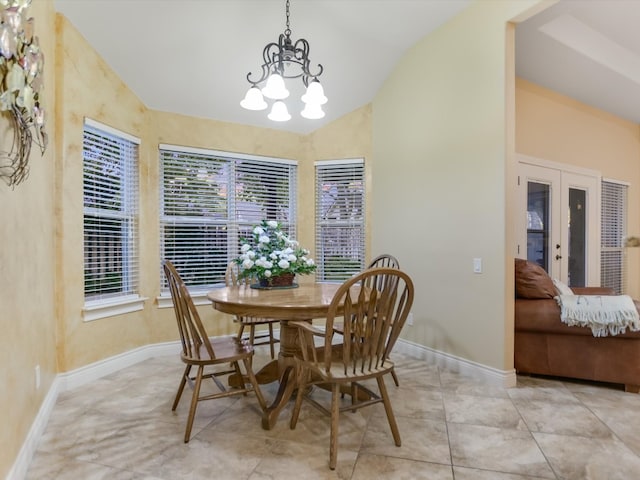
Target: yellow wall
(27, 273)
(554, 127)
(42, 262)
(90, 88)
(439, 184)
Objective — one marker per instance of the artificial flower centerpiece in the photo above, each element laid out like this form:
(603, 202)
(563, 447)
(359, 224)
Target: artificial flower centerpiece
(272, 257)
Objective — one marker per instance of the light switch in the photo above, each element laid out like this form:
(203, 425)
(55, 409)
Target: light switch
(477, 265)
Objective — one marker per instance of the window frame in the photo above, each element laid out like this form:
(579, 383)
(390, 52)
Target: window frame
(613, 233)
(334, 167)
(102, 305)
(236, 218)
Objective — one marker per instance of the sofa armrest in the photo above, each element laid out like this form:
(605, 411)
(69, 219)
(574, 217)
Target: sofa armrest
(593, 291)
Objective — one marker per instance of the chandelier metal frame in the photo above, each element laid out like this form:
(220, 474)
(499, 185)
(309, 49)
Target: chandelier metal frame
(286, 51)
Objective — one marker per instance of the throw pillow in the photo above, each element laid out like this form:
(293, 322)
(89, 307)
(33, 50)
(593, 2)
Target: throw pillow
(562, 288)
(532, 281)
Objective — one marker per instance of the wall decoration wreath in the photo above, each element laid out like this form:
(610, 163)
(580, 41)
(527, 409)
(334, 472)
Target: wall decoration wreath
(21, 91)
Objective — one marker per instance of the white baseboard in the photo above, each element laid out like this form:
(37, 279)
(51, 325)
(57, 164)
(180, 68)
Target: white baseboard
(83, 375)
(492, 376)
(76, 378)
(21, 465)
(89, 373)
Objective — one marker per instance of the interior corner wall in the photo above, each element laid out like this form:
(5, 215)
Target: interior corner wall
(27, 266)
(346, 137)
(554, 127)
(439, 176)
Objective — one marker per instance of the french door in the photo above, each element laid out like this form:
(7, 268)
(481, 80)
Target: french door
(559, 227)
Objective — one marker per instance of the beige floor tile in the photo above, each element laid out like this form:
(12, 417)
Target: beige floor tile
(579, 458)
(499, 449)
(424, 440)
(463, 473)
(477, 410)
(370, 467)
(452, 426)
(561, 418)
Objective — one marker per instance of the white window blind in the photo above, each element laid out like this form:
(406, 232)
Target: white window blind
(110, 193)
(212, 199)
(614, 230)
(340, 229)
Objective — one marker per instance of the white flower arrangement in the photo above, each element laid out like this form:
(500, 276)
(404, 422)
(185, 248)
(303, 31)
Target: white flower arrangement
(270, 253)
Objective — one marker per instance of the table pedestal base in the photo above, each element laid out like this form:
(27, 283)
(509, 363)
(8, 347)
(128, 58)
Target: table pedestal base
(283, 369)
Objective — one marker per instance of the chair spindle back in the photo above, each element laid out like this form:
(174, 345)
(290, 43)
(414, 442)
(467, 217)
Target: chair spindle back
(193, 335)
(374, 306)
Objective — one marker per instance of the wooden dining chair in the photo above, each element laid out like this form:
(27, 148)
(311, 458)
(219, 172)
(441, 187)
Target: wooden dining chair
(200, 351)
(381, 261)
(232, 277)
(387, 261)
(384, 261)
(375, 318)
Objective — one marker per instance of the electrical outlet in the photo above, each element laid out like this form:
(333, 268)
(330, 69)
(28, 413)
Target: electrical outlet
(410, 319)
(37, 377)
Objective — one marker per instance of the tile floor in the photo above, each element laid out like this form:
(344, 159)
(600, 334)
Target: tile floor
(121, 427)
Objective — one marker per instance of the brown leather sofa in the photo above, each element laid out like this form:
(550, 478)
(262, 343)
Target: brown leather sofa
(546, 346)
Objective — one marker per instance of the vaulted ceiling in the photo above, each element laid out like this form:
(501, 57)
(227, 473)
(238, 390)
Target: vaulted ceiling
(192, 56)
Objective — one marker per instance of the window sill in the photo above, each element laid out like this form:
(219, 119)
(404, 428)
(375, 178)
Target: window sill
(199, 297)
(96, 309)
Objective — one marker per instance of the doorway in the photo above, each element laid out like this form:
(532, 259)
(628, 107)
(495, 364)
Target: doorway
(560, 220)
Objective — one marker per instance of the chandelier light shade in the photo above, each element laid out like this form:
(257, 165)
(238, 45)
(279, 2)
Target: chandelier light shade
(285, 60)
(279, 112)
(312, 111)
(253, 100)
(315, 94)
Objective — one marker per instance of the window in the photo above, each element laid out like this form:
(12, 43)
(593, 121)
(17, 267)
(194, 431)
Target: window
(614, 221)
(210, 200)
(340, 229)
(110, 196)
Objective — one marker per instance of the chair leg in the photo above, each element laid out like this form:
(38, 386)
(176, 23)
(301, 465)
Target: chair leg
(187, 370)
(395, 377)
(302, 387)
(194, 403)
(273, 354)
(236, 367)
(252, 333)
(389, 411)
(254, 383)
(240, 331)
(335, 417)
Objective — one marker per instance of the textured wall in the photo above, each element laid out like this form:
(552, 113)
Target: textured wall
(27, 272)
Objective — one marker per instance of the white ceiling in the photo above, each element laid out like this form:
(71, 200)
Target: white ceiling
(588, 50)
(192, 56)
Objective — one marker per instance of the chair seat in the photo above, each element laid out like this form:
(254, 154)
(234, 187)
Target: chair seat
(226, 348)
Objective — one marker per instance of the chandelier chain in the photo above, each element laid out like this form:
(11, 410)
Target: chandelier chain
(287, 32)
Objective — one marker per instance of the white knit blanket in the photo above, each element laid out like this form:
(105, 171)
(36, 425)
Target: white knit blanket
(604, 314)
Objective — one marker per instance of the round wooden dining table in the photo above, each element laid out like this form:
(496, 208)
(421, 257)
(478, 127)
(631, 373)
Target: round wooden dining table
(306, 302)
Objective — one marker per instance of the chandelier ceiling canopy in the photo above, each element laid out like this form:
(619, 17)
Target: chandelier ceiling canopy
(286, 59)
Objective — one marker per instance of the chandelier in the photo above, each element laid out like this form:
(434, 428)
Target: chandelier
(286, 59)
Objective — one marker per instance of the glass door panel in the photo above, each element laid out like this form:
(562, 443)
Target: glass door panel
(577, 236)
(538, 227)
